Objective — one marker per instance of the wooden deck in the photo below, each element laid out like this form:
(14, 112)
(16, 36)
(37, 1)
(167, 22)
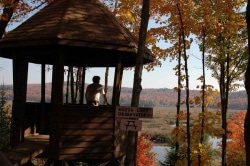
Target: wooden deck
(27, 150)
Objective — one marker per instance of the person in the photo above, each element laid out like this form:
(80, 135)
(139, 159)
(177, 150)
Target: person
(93, 92)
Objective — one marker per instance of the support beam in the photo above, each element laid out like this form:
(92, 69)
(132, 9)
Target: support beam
(117, 84)
(20, 75)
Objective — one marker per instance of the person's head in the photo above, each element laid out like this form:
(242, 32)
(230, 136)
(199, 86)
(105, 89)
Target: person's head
(96, 79)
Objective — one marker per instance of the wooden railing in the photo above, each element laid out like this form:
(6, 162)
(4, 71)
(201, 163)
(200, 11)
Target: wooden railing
(78, 132)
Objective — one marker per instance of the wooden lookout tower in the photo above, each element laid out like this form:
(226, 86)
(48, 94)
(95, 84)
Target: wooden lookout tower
(80, 33)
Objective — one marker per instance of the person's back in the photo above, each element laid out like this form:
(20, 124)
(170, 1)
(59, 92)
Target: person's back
(93, 92)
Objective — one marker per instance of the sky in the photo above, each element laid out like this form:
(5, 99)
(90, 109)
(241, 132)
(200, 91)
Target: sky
(160, 77)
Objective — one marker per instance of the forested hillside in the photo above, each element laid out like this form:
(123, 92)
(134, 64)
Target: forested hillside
(162, 97)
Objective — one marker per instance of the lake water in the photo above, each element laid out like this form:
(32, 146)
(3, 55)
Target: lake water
(215, 141)
(161, 151)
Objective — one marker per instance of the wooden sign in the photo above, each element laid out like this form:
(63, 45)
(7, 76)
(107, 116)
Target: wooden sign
(130, 124)
(134, 112)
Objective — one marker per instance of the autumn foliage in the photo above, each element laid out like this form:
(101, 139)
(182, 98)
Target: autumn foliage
(144, 155)
(236, 154)
(204, 149)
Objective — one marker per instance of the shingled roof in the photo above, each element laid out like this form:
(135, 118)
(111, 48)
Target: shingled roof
(79, 29)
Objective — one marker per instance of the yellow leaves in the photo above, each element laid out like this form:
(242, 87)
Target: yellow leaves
(182, 116)
(211, 123)
(127, 15)
(191, 102)
(197, 100)
(211, 126)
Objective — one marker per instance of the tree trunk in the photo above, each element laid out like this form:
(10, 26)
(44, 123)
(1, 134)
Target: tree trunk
(132, 135)
(185, 57)
(6, 16)
(223, 113)
(106, 80)
(203, 93)
(67, 87)
(178, 105)
(247, 86)
(72, 84)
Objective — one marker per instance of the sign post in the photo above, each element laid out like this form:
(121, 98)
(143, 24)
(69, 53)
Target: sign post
(130, 117)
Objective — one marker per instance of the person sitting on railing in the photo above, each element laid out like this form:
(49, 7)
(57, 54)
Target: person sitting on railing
(93, 92)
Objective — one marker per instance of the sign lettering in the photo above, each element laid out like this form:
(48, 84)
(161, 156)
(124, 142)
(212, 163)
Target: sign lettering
(134, 112)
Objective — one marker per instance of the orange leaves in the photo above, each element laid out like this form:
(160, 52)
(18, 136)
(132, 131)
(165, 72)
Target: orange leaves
(16, 8)
(144, 156)
(5, 17)
(236, 145)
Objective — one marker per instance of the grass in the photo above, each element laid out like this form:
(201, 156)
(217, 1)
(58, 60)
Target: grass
(164, 118)
(161, 122)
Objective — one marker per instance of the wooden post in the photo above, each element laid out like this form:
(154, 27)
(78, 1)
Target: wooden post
(56, 102)
(117, 84)
(20, 74)
(41, 127)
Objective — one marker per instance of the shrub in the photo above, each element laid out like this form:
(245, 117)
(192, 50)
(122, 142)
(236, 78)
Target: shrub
(5, 121)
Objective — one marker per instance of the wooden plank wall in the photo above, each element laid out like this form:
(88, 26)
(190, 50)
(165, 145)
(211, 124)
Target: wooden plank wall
(86, 132)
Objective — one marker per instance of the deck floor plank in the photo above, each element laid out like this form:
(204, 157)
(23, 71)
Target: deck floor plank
(27, 150)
